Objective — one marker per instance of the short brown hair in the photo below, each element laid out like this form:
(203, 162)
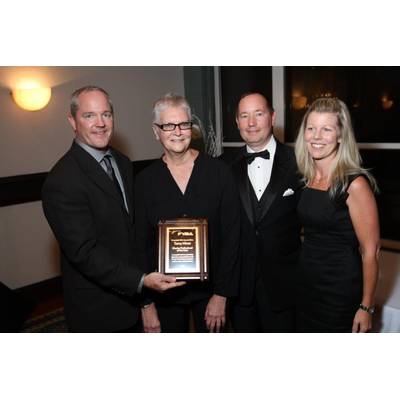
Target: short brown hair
(269, 106)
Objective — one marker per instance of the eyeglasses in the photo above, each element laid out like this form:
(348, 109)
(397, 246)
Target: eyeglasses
(183, 126)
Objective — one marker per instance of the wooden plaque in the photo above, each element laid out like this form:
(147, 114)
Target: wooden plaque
(183, 248)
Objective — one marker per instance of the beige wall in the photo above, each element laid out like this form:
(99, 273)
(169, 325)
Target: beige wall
(33, 141)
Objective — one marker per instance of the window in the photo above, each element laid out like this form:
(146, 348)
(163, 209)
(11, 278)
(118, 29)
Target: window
(372, 95)
(235, 81)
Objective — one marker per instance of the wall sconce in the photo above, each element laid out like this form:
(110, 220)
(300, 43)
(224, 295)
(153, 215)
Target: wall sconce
(32, 98)
(386, 102)
(299, 102)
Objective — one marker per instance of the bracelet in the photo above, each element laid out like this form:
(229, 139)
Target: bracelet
(369, 310)
(146, 306)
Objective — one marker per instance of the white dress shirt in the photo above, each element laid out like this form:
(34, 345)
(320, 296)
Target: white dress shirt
(259, 170)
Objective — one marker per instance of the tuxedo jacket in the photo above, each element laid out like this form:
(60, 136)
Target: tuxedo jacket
(270, 245)
(96, 238)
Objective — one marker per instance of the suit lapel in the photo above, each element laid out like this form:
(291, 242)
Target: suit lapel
(95, 172)
(240, 172)
(127, 179)
(278, 174)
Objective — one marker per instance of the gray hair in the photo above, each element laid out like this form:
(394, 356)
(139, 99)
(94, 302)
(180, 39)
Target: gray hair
(167, 101)
(347, 161)
(74, 103)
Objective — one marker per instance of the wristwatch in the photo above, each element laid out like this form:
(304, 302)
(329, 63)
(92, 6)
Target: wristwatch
(369, 310)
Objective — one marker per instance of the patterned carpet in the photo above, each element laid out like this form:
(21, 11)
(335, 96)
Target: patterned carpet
(51, 322)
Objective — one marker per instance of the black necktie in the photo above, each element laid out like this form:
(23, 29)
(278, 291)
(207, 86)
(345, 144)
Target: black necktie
(111, 173)
(251, 156)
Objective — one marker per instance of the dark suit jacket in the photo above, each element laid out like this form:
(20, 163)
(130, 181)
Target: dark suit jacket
(96, 237)
(274, 243)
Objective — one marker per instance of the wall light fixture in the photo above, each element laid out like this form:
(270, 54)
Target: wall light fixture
(32, 97)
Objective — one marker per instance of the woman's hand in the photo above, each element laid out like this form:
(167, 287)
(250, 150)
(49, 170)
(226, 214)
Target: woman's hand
(151, 323)
(362, 322)
(215, 313)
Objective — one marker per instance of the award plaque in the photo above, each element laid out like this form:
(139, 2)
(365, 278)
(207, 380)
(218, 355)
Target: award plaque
(183, 248)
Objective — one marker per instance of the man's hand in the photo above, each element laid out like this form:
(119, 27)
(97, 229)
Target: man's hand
(151, 323)
(161, 282)
(215, 313)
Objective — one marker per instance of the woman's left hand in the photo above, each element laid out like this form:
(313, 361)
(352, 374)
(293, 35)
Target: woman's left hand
(215, 313)
(362, 322)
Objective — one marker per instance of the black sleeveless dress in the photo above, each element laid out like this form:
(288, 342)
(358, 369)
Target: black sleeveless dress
(330, 270)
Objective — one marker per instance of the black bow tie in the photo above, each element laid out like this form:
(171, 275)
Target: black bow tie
(251, 156)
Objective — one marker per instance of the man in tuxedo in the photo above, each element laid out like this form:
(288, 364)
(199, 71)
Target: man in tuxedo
(266, 174)
(87, 199)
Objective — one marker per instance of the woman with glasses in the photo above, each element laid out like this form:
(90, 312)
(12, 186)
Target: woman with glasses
(339, 260)
(185, 183)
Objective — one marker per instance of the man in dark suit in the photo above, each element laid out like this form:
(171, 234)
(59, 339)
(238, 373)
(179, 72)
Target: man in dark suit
(87, 199)
(266, 174)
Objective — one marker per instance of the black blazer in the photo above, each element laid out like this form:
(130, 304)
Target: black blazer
(274, 243)
(96, 237)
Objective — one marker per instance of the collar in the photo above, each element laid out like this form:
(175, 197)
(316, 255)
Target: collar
(270, 146)
(97, 154)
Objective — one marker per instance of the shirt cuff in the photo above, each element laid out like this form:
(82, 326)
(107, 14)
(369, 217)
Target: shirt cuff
(140, 286)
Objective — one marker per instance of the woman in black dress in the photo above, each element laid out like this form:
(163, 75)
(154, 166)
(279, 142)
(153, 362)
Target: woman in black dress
(186, 183)
(339, 260)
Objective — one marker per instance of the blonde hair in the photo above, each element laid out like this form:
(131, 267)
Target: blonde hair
(347, 161)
